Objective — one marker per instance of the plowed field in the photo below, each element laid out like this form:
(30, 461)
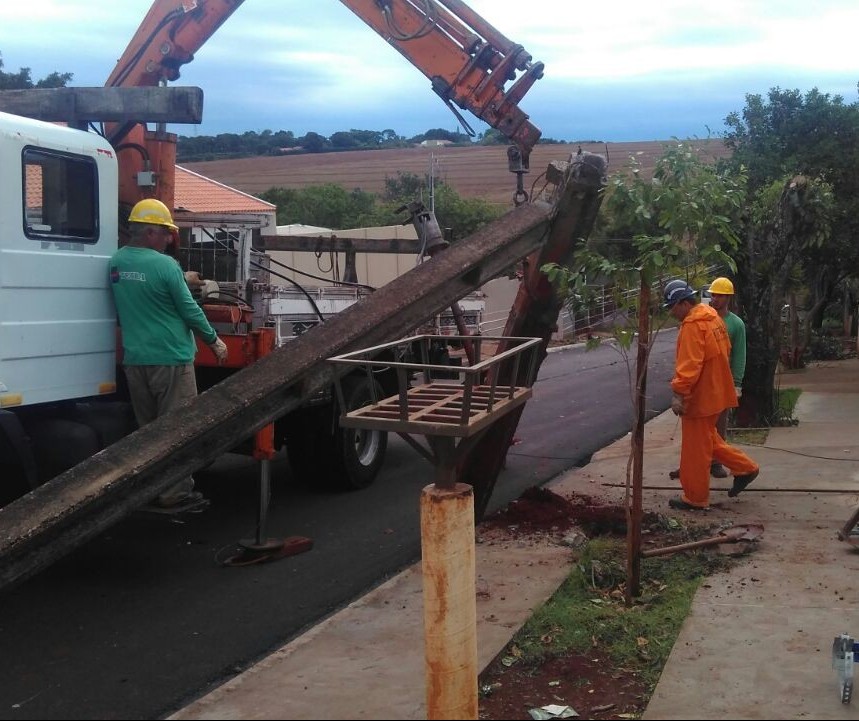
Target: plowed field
(479, 171)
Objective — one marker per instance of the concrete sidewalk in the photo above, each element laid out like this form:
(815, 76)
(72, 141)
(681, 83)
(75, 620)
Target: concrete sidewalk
(756, 644)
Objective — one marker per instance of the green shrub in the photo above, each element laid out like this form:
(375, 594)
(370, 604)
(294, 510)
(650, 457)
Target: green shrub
(824, 346)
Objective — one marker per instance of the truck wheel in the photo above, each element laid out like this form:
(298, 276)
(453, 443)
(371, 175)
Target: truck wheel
(345, 459)
(18, 474)
(59, 444)
(360, 453)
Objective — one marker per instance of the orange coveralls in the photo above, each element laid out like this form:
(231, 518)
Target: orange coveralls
(702, 375)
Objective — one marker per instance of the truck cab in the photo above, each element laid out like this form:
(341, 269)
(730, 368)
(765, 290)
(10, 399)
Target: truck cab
(58, 228)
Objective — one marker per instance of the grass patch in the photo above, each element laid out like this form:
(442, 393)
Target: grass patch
(588, 610)
(785, 403)
(748, 436)
(786, 399)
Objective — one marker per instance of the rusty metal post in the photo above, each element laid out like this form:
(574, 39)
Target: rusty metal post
(450, 606)
(447, 507)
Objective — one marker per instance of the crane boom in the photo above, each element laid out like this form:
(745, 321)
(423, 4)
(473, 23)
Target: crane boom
(167, 38)
(468, 62)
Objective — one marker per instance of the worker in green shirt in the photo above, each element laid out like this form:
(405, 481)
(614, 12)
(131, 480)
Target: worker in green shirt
(158, 317)
(722, 292)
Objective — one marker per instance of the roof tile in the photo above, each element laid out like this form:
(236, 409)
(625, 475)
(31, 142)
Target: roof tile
(199, 194)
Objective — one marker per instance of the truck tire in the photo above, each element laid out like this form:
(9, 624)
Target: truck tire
(360, 453)
(111, 421)
(345, 459)
(59, 444)
(18, 473)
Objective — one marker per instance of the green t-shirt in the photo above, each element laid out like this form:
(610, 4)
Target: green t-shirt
(157, 312)
(737, 334)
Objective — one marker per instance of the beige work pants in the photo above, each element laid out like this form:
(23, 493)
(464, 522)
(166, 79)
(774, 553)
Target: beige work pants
(154, 391)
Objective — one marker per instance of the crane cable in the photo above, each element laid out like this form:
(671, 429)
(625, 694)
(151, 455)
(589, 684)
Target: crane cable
(425, 29)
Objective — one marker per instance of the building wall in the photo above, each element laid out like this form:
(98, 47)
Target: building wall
(374, 269)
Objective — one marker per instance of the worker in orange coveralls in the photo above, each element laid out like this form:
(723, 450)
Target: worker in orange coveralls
(703, 387)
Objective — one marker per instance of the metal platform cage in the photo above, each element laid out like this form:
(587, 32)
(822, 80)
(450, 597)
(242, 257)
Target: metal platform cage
(440, 399)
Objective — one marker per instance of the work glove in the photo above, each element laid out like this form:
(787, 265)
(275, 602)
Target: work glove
(739, 390)
(219, 348)
(194, 279)
(678, 404)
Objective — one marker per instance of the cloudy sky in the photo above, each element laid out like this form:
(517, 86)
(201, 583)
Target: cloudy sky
(615, 69)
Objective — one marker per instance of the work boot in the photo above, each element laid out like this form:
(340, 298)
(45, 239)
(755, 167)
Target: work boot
(717, 470)
(741, 482)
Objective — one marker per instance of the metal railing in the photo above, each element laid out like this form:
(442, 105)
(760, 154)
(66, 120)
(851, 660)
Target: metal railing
(603, 308)
(426, 404)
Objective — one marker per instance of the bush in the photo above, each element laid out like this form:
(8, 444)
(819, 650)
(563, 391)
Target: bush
(824, 346)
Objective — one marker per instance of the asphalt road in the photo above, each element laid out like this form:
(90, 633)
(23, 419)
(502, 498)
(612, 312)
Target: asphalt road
(145, 618)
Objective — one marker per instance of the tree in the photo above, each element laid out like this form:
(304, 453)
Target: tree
(462, 216)
(815, 136)
(313, 142)
(684, 217)
(404, 188)
(493, 136)
(328, 205)
(390, 137)
(342, 140)
(332, 206)
(22, 80)
(785, 218)
(683, 214)
(365, 138)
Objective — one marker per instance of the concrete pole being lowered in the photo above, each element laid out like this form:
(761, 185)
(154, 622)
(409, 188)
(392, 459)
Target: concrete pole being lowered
(68, 510)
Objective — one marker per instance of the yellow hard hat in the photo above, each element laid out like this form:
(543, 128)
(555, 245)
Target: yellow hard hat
(152, 212)
(722, 286)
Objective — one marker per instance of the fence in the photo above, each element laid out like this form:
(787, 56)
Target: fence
(604, 309)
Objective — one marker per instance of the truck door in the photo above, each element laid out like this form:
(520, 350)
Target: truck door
(58, 228)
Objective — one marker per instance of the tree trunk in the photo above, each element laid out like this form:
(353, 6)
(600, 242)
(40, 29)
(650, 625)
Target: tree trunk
(763, 272)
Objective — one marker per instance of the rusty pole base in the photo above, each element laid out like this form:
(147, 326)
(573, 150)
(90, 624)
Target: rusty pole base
(450, 607)
(269, 549)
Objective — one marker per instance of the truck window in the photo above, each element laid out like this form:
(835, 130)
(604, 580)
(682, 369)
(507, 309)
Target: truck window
(60, 196)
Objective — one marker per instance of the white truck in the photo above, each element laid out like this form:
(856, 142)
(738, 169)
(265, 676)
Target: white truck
(62, 398)
(59, 190)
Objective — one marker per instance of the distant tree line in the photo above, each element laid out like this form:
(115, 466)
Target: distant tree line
(282, 142)
(250, 144)
(22, 80)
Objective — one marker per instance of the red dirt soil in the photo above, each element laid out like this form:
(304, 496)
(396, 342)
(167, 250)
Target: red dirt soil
(539, 509)
(590, 684)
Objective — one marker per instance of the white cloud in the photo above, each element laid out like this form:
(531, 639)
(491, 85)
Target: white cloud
(275, 63)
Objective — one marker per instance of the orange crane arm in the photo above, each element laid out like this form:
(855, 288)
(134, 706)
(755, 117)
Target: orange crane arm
(468, 62)
(167, 38)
